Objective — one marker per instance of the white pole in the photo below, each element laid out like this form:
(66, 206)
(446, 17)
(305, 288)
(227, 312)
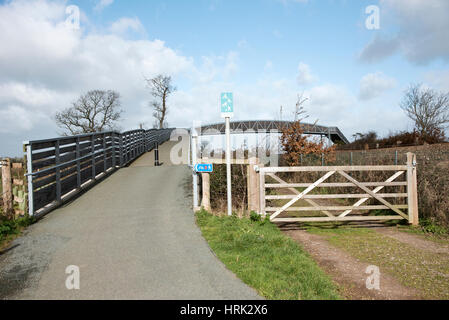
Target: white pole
(194, 174)
(228, 164)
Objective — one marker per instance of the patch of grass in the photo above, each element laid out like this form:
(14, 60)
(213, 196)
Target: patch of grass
(10, 229)
(428, 230)
(265, 259)
(426, 271)
(427, 226)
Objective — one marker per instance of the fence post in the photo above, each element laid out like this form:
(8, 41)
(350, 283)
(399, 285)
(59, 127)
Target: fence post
(7, 189)
(396, 158)
(412, 189)
(205, 201)
(351, 160)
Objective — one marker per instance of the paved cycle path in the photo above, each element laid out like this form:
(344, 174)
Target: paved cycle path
(133, 236)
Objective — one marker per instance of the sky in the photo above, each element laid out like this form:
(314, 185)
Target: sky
(266, 52)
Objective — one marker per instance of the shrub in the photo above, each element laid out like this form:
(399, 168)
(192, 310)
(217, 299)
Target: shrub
(295, 143)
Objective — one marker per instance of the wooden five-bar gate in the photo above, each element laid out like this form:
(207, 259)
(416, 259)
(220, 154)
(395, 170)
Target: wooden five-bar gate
(330, 212)
(59, 168)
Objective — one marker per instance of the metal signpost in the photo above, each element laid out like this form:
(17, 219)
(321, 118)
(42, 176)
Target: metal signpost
(194, 140)
(227, 111)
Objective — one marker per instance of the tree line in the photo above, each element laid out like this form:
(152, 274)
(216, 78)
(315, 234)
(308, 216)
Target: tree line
(429, 111)
(100, 110)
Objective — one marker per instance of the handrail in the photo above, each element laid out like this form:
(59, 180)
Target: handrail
(52, 180)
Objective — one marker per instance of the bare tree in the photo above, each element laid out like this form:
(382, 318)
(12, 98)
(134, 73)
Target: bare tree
(300, 112)
(95, 111)
(428, 109)
(161, 88)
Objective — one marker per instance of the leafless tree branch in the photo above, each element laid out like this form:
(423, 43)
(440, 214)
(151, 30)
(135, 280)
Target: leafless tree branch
(95, 111)
(428, 109)
(161, 88)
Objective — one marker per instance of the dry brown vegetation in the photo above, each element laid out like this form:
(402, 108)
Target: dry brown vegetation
(433, 175)
(218, 191)
(296, 144)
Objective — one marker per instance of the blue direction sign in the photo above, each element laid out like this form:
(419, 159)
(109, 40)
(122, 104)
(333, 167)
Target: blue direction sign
(204, 168)
(227, 104)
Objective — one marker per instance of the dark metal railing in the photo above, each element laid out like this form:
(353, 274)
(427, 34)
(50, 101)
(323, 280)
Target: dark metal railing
(59, 168)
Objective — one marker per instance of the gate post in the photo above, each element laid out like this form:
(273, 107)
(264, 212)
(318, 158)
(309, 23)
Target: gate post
(7, 189)
(252, 183)
(205, 202)
(261, 191)
(412, 189)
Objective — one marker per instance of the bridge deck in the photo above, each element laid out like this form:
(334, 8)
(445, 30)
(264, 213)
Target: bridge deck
(147, 159)
(133, 237)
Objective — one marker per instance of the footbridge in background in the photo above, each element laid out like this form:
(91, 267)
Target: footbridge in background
(332, 133)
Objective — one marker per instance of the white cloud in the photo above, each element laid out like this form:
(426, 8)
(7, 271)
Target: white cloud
(335, 105)
(103, 4)
(216, 67)
(15, 118)
(46, 66)
(438, 79)
(329, 97)
(305, 76)
(422, 31)
(123, 25)
(373, 85)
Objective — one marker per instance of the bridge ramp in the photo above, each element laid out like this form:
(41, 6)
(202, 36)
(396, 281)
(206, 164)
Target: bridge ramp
(165, 149)
(133, 236)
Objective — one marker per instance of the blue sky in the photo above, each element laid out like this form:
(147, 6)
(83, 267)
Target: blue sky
(265, 51)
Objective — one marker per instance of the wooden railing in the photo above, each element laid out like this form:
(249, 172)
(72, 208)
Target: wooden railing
(59, 168)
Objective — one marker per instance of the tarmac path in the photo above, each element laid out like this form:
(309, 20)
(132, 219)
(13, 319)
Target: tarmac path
(133, 236)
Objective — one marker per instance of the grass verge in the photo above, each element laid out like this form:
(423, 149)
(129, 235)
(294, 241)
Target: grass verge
(265, 259)
(426, 271)
(428, 230)
(10, 229)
